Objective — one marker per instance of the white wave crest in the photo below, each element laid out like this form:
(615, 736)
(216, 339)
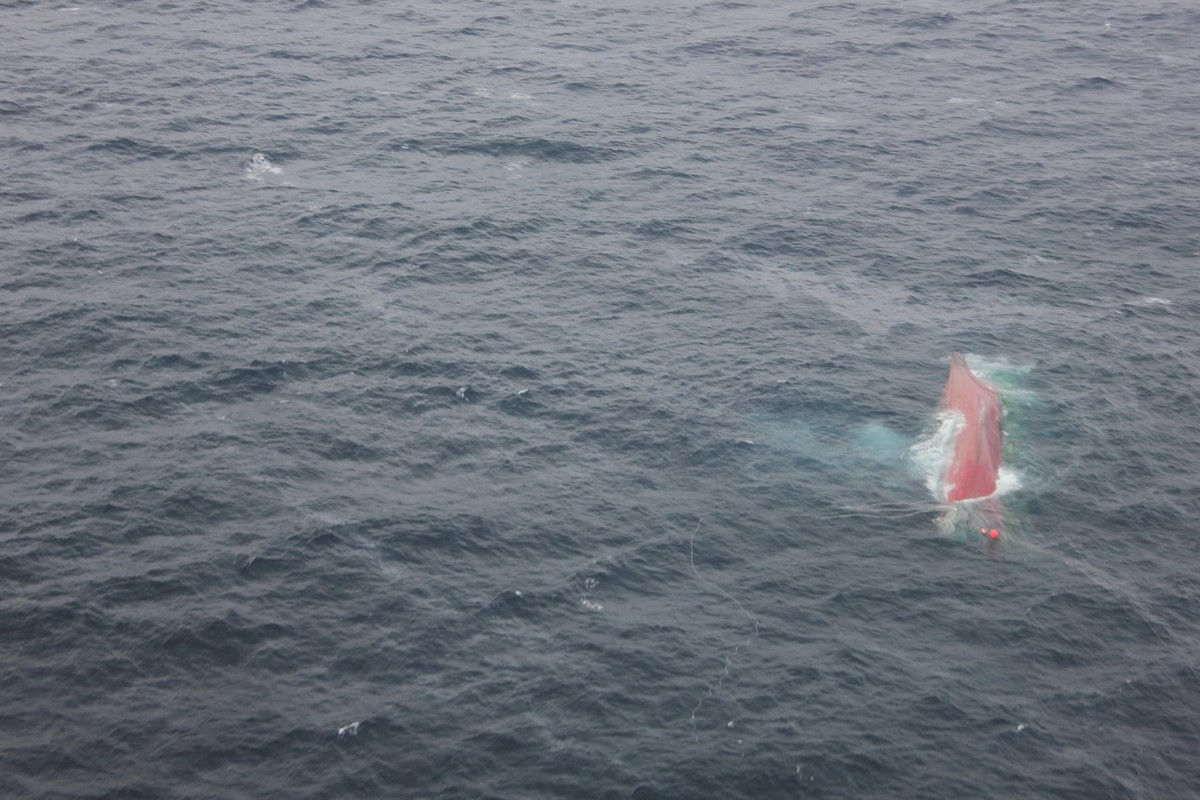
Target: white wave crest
(259, 168)
(931, 456)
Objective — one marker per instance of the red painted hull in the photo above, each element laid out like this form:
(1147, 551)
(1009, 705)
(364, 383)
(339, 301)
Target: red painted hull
(975, 464)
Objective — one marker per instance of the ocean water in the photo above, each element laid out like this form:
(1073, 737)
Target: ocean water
(538, 400)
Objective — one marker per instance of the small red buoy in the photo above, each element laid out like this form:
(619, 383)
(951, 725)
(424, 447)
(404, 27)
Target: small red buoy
(995, 534)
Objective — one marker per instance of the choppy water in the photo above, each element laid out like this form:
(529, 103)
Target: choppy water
(509, 400)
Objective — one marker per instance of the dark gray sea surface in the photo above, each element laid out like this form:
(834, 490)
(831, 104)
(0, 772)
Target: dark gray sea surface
(538, 400)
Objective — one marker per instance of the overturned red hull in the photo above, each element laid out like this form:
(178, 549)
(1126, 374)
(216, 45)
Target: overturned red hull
(975, 464)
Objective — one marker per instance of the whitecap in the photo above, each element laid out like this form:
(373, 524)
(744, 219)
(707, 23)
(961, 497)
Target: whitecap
(1151, 301)
(260, 167)
(931, 456)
